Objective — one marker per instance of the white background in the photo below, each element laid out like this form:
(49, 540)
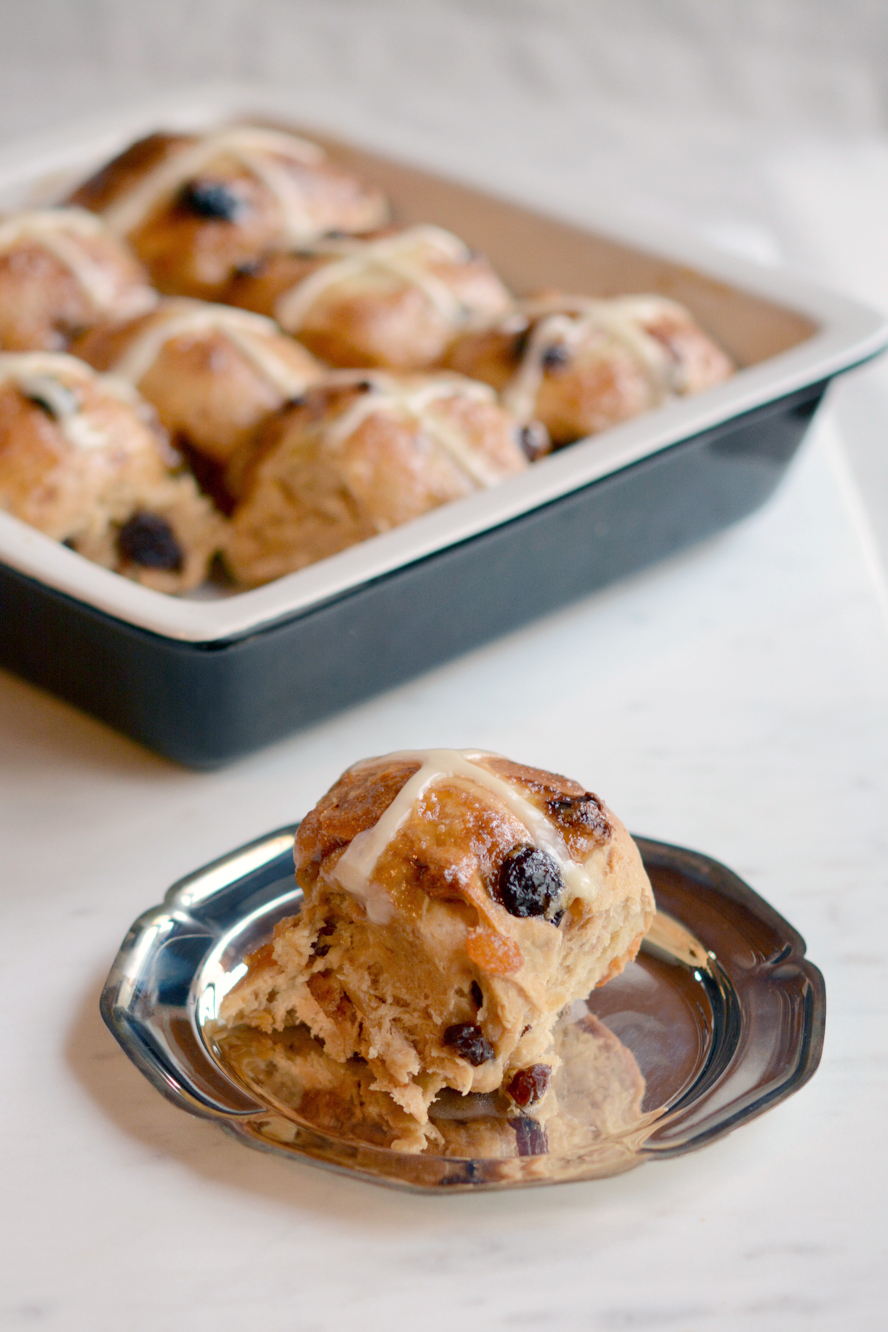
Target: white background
(734, 699)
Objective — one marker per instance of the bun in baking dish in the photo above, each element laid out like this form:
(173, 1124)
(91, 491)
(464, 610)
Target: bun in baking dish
(83, 459)
(580, 364)
(212, 373)
(361, 453)
(62, 270)
(455, 903)
(196, 207)
(393, 300)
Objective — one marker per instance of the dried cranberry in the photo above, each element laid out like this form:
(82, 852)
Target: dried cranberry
(211, 199)
(147, 539)
(531, 1137)
(529, 1084)
(470, 1042)
(529, 882)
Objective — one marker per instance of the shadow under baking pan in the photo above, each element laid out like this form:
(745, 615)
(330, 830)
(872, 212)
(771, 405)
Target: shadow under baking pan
(204, 704)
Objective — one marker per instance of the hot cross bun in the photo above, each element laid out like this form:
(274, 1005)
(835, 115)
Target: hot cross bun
(196, 207)
(83, 459)
(454, 903)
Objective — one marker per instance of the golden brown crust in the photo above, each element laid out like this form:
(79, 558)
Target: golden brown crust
(87, 464)
(581, 366)
(399, 299)
(307, 490)
(126, 169)
(224, 214)
(212, 384)
(61, 272)
(451, 825)
(411, 951)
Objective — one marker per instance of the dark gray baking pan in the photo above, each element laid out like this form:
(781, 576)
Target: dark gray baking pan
(206, 678)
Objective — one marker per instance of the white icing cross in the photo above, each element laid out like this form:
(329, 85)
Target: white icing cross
(355, 867)
(405, 256)
(251, 334)
(51, 377)
(61, 232)
(392, 398)
(256, 149)
(569, 320)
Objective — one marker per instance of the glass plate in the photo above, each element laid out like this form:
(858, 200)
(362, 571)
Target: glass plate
(720, 1017)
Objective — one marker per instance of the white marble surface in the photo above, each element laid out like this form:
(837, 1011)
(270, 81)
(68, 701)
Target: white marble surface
(735, 699)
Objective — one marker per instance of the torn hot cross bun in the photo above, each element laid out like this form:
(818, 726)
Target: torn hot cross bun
(580, 365)
(197, 207)
(455, 903)
(83, 459)
(361, 453)
(212, 373)
(596, 1091)
(394, 300)
(62, 270)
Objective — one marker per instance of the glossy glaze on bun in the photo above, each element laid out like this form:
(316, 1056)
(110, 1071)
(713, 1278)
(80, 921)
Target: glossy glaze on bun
(395, 300)
(84, 460)
(580, 364)
(197, 207)
(359, 454)
(455, 903)
(62, 270)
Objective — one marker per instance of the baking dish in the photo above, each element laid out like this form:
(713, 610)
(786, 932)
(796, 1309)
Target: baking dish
(205, 678)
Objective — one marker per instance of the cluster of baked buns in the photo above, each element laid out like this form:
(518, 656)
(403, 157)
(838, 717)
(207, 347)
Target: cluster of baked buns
(220, 346)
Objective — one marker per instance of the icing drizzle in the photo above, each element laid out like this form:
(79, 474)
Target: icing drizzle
(255, 149)
(62, 231)
(51, 378)
(405, 257)
(391, 397)
(569, 320)
(251, 334)
(355, 868)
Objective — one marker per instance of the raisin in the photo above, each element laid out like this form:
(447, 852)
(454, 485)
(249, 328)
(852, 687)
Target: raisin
(477, 994)
(583, 813)
(558, 918)
(319, 948)
(555, 357)
(529, 882)
(211, 199)
(530, 1136)
(469, 1042)
(534, 440)
(529, 1084)
(147, 540)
